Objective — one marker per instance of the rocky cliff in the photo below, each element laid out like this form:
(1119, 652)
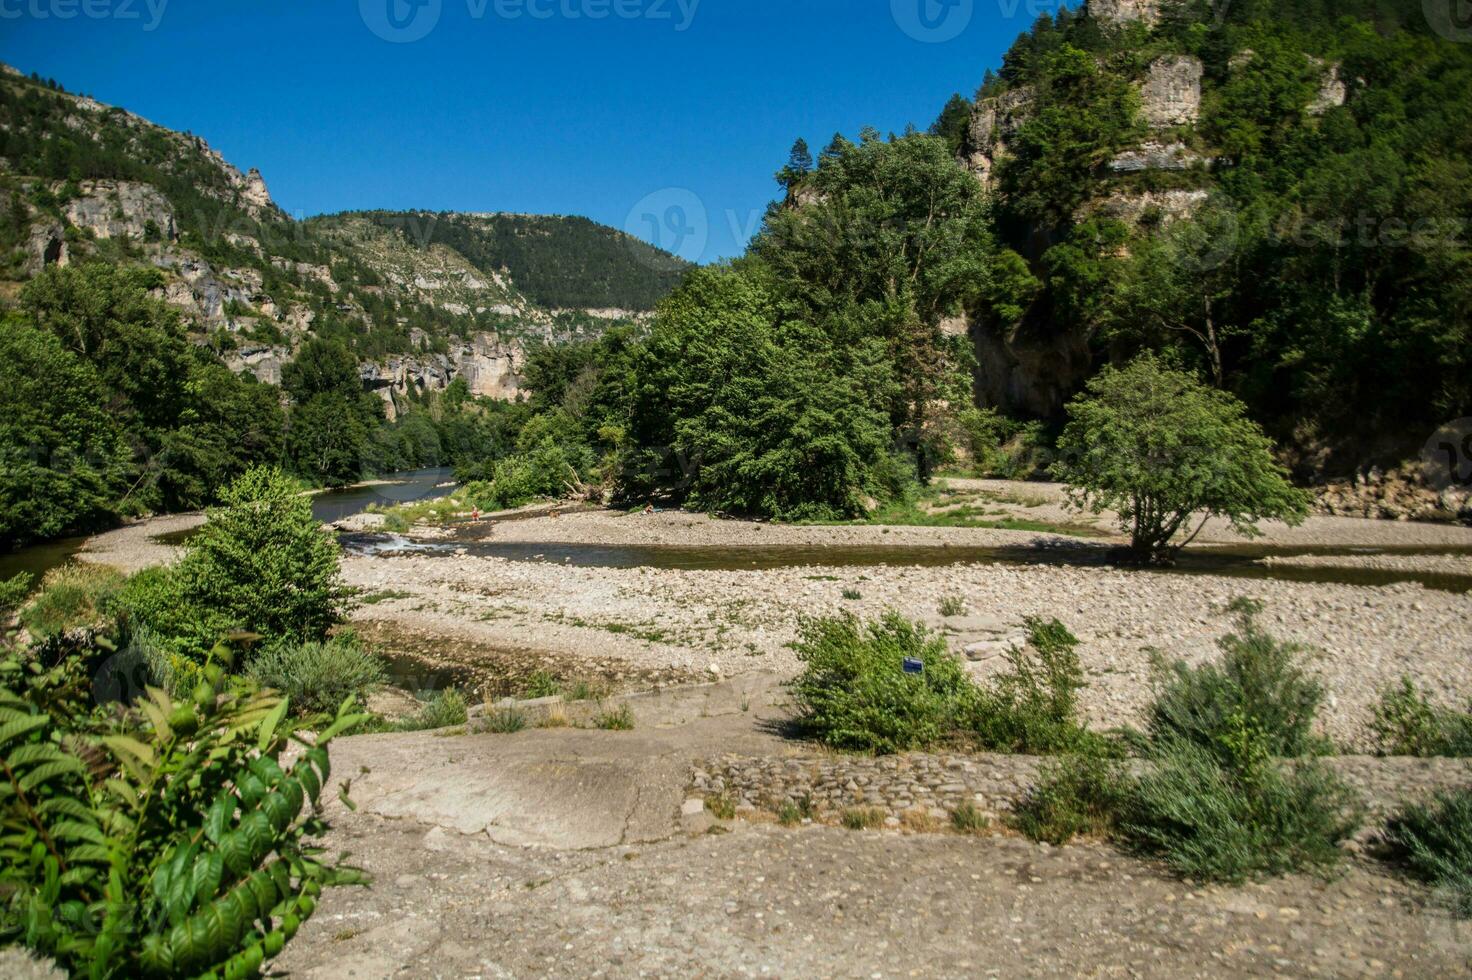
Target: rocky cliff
(1166, 175)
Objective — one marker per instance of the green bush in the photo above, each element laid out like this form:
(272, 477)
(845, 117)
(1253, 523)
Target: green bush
(1034, 707)
(154, 600)
(545, 470)
(507, 722)
(1259, 678)
(1215, 822)
(967, 819)
(862, 818)
(13, 592)
(1407, 723)
(620, 719)
(264, 563)
(447, 710)
(318, 677)
(169, 840)
(1079, 794)
(74, 596)
(853, 692)
(1434, 841)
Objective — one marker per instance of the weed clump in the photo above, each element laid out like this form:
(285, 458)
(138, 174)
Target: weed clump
(620, 719)
(1434, 842)
(862, 818)
(1407, 723)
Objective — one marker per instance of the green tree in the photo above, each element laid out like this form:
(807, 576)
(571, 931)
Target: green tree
(264, 563)
(322, 367)
(327, 441)
(63, 460)
(799, 165)
(953, 122)
(1159, 449)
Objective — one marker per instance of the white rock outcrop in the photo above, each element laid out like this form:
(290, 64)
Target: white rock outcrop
(1171, 94)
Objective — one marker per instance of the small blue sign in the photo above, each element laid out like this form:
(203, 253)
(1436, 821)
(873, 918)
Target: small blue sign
(913, 666)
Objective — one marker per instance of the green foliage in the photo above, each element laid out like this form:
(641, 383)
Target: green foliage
(1259, 677)
(968, 819)
(1084, 115)
(1434, 841)
(1407, 723)
(446, 710)
(164, 840)
(189, 423)
(63, 460)
(507, 722)
(1078, 794)
(264, 563)
(13, 592)
(854, 694)
(545, 470)
(620, 719)
(1215, 822)
(1033, 707)
(1160, 449)
(318, 676)
(731, 412)
(180, 631)
(327, 441)
(862, 818)
(76, 595)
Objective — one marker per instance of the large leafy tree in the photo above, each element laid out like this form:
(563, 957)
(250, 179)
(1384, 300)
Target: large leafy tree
(1162, 451)
(63, 460)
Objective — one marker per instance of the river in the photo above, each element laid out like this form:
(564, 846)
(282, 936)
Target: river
(327, 506)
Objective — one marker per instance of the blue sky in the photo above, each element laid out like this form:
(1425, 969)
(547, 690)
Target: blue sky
(612, 109)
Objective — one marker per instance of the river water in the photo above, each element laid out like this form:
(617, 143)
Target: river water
(328, 506)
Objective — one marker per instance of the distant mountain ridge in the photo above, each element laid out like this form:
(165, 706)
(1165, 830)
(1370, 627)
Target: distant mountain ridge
(421, 297)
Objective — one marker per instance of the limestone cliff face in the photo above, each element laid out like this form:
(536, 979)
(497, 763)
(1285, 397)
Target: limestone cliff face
(489, 364)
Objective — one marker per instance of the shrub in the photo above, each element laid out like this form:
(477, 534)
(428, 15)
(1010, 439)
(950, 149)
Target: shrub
(506, 722)
(721, 807)
(73, 596)
(1216, 822)
(1160, 449)
(1434, 841)
(265, 563)
(862, 818)
(1259, 678)
(952, 605)
(854, 694)
(13, 592)
(1407, 723)
(318, 677)
(447, 710)
(967, 819)
(170, 840)
(541, 684)
(1079, 794)
(153, 599)
(621, 719)
(1034, 707)
(544, 470)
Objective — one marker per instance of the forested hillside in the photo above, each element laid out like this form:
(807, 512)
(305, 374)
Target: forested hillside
(558, 262)
(1275, 195)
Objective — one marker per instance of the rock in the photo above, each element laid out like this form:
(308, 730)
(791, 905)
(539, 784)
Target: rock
(122, 209)
(1155, 156)
(1171, 95)
(991, 649)
(692, 807)
(1121, 12)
